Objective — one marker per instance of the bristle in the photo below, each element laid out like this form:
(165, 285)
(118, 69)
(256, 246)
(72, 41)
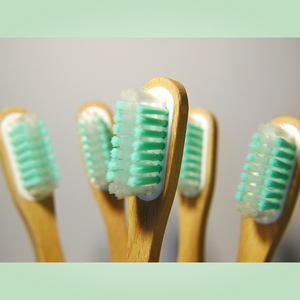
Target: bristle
(137, 159)
(95, 136)
(271, 163)
(192, 174)
(33, 156)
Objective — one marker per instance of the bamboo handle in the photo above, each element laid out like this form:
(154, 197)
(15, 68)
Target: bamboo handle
(193, 214)
(38, 216)
(112, 209)
(193, 211)
(41, 224)
(113, 213)
(259, 242)
(147, 220)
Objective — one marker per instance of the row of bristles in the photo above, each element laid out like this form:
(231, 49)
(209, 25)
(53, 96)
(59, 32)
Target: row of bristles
(156, 148)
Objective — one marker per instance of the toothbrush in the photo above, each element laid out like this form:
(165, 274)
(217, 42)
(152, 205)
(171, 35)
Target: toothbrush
(150, 131)
(94, 123)
(268, 194)
(196, 184)
(31, 175)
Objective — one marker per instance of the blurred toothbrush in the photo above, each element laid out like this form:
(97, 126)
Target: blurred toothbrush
(269, 189)
(94, 132)
(31, 175)
(196, 184)
(146, 158)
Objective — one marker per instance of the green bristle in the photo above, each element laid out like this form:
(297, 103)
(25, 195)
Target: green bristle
(250, 157)
(147, 121)
(255, 137)
(282, 154)
(115, 141)
(118, 117)
(275, 174)
(195, 135)
(148, 110)
(279, 164)
(119, 105)
(117, 129)
(140, 156)
(253, 146)
(247, 167)
(146, 146)
(146, 133)
(197, 143)
(191, 159)
(110, 176)
(191, 150)
(245, 176)
(112, 166)
(190, 127)
(280, 142)
(190, 176)
(189, 168)
(17, 130)
(239, 196)
(274, 184)
(140, 168)
(267, 205)
(242, 187)
(270, 194)
(139, 181)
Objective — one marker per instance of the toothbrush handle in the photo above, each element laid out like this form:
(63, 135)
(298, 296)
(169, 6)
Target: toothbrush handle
(39, 218)
(193, 214)
(258, 242)
(114, 218)
(146, 226)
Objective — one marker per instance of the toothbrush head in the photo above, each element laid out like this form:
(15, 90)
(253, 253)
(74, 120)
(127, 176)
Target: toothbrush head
(270, 172)
(140, 144)
(193, 176)
(28, 154)
(94, 130)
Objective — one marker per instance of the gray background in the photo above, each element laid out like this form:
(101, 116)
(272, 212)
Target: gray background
(243, 82)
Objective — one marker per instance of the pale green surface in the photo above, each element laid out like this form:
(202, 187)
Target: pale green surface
(149, 281)
(156, 19)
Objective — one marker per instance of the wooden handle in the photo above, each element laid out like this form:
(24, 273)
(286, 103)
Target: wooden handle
(193, 211)
(259, 242)
(38, 216)
(147, 220)
(112, 209)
